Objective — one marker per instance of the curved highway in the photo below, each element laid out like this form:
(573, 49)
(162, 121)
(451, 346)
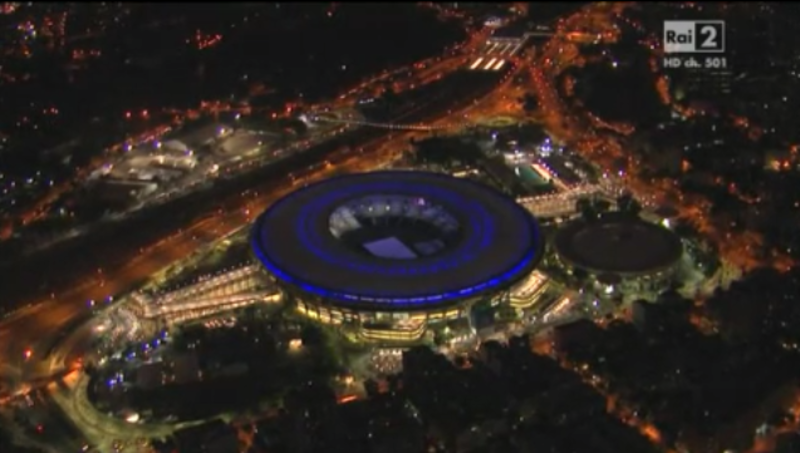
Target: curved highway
(28, 337)
(31, 329)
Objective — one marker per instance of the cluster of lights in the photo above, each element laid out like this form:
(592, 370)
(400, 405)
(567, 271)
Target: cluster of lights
(481, 235)
(480, 224)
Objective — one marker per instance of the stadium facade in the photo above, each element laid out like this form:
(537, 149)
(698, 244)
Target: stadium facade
(620, 250)
(390, 253)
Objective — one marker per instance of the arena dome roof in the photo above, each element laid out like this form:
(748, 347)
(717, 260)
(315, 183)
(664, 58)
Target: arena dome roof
(618, 244)
(397, 239)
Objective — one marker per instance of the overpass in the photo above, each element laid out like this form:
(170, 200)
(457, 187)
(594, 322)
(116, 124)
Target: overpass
(539, 34)
(564, 203)
(391, 126)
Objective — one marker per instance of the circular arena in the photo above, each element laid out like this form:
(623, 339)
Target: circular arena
(395, 242)
(618, 244)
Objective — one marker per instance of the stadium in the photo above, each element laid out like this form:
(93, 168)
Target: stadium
(390, 252)
(618, 247)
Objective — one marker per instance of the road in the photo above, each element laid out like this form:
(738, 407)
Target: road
(422, 72)
(26, 329)
(100, 428)
(32, 327)
(29, 327)
(601, 144)
(41, 328)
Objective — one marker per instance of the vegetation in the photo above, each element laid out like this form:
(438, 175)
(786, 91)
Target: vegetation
(7, 445)
(446, 150)
(243, 368)
(529, 103)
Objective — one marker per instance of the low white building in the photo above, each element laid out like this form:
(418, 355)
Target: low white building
(176, 146)
(183, 162)
(240, 143)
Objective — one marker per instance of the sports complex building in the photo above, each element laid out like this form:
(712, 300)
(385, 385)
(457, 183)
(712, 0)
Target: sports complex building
(391, 252)
(620, 249)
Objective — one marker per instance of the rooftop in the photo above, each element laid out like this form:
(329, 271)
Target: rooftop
(619, 244)
(432, 240)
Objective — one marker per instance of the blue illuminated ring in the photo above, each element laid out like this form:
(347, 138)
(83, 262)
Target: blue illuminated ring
(501, 243)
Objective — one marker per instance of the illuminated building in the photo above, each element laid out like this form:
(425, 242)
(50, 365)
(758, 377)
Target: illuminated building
(230, 290)
(525, 293)
(389, 253)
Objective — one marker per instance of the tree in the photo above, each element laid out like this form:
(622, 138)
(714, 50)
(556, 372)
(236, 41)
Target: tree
(627, 204)
(529, 103)
(250, 313)
(371, 387)
(390, 97)
(179, 342)
(394, 383)
(586, 208)
(602, 205)
(635, 208)
(312, 336)
(5, 439)
(439, 338)
(580, 274)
